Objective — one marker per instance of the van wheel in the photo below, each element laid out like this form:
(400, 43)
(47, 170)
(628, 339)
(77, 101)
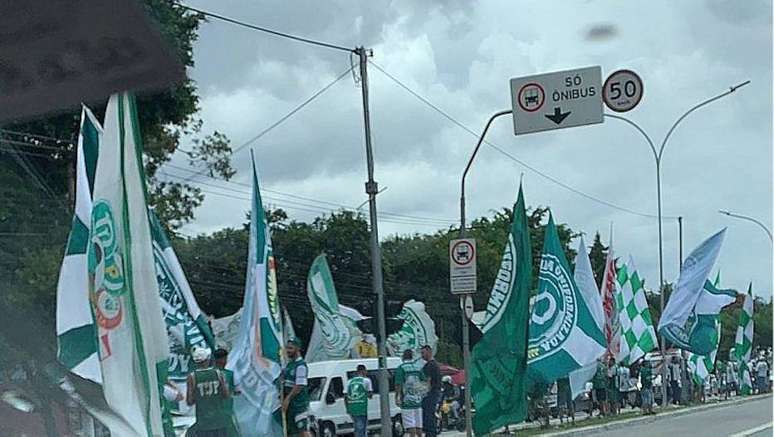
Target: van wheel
(328, 430)
(397, 426)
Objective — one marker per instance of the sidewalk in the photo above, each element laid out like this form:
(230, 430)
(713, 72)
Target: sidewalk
(580, 430)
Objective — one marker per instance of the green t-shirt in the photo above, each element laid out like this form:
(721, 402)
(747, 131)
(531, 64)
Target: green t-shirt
(411, 379)
(646, 377)
(211, 407)
(599, 380)
(358, 388)
(229, 376)
(296, 373)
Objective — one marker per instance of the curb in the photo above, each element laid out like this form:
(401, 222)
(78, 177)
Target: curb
(649, 419)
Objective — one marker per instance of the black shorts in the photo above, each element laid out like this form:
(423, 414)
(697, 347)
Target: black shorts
(600, 394)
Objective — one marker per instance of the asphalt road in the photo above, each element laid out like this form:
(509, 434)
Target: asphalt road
(747, 419)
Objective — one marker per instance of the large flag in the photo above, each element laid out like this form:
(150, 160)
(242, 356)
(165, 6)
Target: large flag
(691, 314)
(186, 324)
(636, 325)
(584, 278)
(339, 334)
(702, 365)
(499, 364)
(288, 331)
(319, 345)
(418, 330)
(74, 324)
(609, 291)
(255, 358)
(743, 342)
(563, 333)
(123, 291)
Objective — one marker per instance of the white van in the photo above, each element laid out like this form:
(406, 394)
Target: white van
(327, 411)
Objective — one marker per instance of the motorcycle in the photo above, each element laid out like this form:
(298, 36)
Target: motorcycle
(446, 419)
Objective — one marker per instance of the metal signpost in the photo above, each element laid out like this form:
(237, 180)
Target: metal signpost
(557, 100)
(462, 278)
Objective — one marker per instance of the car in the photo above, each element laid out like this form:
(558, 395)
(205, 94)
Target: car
(327, 411)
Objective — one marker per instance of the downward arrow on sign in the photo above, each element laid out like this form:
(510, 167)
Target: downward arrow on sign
(558, 116)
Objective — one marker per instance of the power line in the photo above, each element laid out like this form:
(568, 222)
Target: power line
(282, 119)
(508, 155)
(266, 30)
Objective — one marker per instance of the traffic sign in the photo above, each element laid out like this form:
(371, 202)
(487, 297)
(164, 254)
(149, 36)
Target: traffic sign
(467, 306)
(557, 100)
(462, 265)
(622, 90)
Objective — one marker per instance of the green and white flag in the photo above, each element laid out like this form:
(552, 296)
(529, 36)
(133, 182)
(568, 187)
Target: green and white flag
(702, 365)
(584, 278)
(74, 323)
(743, 342)
(691, 314)
(418, 330)
(563, 333)
(499, 361)
(124, 294)
(339, 334)
(257, 353)
(319, 345)
(186, 324)
(636, 325)
(288, 331)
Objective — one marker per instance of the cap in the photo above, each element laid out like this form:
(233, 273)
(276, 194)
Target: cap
(201, 354)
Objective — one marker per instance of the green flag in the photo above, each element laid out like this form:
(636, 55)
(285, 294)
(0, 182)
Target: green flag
(743, 342)
(499, 363)
(563, 334)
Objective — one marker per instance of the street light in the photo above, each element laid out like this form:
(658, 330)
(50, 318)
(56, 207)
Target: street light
(657, 155)
(750, 219)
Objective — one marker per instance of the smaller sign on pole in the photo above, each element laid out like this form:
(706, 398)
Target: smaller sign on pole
(462, 265)
(622, 90)
(467, 306)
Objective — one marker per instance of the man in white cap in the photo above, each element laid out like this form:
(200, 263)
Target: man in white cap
(209, 391)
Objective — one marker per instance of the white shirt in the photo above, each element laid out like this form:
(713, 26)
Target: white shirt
(762, 368)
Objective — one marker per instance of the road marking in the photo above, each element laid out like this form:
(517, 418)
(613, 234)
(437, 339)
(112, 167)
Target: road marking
(752, 431)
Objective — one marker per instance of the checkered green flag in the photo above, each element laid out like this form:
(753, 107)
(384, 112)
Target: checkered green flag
(702, 365)
(637, 334)
(743, 343)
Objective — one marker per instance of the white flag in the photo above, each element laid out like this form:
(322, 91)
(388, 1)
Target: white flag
(130, 334)
(256, 356)
(584, 277)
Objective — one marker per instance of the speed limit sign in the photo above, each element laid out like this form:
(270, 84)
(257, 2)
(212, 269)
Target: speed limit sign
(622, 90)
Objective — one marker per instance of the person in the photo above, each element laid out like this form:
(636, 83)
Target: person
(409, 391)
(646, 387)
(170, 397)
(732, 378)
(433, 397)
(221, 359)
(356, 394)
(624, 385)
(673, 373)
(564, 401)
(295, 392)
(366, 347)
(762, 375)
(599, 384)
(612, 386)
(207, 389)
(451, 393)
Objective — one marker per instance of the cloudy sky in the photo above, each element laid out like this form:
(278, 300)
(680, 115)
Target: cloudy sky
(460, 55)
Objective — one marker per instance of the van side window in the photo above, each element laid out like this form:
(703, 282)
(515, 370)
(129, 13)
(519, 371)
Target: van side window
(373, 375)
(336, 388)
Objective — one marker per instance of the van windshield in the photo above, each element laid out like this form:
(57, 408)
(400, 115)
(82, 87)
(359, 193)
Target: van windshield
(315, 386)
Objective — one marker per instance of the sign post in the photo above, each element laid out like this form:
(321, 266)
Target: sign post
(557, 100)
(462, 265)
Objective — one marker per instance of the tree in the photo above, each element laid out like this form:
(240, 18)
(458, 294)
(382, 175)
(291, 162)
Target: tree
(598, 257)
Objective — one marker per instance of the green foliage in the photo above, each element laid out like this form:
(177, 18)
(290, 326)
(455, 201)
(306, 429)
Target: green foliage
(598, 256)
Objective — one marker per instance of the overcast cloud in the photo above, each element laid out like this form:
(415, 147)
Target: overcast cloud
(460, 55)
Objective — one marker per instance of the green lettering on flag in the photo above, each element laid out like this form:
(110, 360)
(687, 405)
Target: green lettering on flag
(499, 361)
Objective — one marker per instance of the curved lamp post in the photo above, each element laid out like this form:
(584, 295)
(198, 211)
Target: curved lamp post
(749, 219)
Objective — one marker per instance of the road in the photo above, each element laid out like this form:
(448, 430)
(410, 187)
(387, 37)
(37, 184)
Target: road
(740, 420)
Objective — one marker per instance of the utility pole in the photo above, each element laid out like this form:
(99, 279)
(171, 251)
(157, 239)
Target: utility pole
(372, 189)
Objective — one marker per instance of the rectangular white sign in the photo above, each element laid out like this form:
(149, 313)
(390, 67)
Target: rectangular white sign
(557, 100)
(462, 265)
